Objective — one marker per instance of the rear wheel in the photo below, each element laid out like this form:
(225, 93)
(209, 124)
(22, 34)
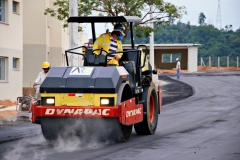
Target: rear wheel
(150, 109)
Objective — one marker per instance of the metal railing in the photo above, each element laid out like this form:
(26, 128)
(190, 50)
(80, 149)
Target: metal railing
(224, 61)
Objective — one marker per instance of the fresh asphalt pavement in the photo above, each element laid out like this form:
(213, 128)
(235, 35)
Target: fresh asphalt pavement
(205, 126)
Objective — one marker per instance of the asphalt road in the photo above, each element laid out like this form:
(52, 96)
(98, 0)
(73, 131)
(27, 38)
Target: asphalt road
(203, 126)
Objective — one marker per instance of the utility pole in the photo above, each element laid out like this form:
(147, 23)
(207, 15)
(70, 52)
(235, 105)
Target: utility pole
(73, 31)
(151, 40)
(218, 21)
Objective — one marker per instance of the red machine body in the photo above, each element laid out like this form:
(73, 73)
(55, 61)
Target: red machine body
(127, 112)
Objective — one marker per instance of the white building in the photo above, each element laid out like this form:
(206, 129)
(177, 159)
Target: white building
(44, 39)
(165, 55)
(27, 39)
(11, 49)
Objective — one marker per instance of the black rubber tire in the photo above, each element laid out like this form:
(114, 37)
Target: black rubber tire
(50, 128)
(109, 129)
(150, 109)
(116, 132)
(119, 133)
(122, 132)
(113, 131)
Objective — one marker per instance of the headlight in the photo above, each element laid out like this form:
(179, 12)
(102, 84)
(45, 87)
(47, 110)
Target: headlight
(104, 101)
(50, 101)
(107, 101)
(47, 101)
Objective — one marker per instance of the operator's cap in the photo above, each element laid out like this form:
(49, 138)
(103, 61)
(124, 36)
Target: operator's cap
(177, 59)
(119, 30)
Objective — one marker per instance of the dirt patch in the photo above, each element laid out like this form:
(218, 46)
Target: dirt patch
(7, 103)
(171, 71)
(219, 68)
(7, 114)
(11, 118)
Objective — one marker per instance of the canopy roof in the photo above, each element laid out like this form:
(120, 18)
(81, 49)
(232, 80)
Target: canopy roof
(104, 19)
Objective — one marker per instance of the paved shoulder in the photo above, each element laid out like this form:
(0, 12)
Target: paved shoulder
(174, 90)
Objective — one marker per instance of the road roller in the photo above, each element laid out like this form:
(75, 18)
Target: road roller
(98, 98)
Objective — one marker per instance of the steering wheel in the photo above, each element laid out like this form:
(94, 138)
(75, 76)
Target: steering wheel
(101, 50)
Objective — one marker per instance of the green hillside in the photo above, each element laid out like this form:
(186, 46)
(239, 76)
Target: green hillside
(214, 42)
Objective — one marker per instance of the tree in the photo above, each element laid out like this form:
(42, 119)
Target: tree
(171, 20)
(188, 25)
(141, 8)
(214, 42)
(238, 30)
(228, 28)
(201, 19)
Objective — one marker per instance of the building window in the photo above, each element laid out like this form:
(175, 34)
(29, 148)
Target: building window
(170, 57)
(3, 10)
(3, 69)
(16, 63)
(15, 7)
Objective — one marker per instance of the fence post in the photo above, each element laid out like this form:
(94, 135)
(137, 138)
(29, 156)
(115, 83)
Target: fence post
(202, 62)
(209, 62)
(218, 61)
(237, 62)
(227, 61)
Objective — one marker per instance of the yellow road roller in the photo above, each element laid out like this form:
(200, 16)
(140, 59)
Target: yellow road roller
(97, 97)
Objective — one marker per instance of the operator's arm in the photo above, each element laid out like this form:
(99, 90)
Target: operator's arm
(37, 80)
(119, 55)
(97, 44)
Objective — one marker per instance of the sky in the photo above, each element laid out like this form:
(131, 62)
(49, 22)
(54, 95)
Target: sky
(230, 13)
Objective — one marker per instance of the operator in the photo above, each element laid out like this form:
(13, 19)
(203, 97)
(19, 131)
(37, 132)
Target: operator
(41, 76)
(111, 42)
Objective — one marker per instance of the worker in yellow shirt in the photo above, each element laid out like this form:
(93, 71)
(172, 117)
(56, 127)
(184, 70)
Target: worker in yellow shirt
(111, 42)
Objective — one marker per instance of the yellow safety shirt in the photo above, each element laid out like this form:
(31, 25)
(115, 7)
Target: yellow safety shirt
(104, 42)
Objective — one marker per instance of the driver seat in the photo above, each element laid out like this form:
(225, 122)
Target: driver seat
(87, 53)
(93, 60)
(99, 60)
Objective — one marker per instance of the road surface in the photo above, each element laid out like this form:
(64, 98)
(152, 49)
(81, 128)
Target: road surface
(203, 126)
